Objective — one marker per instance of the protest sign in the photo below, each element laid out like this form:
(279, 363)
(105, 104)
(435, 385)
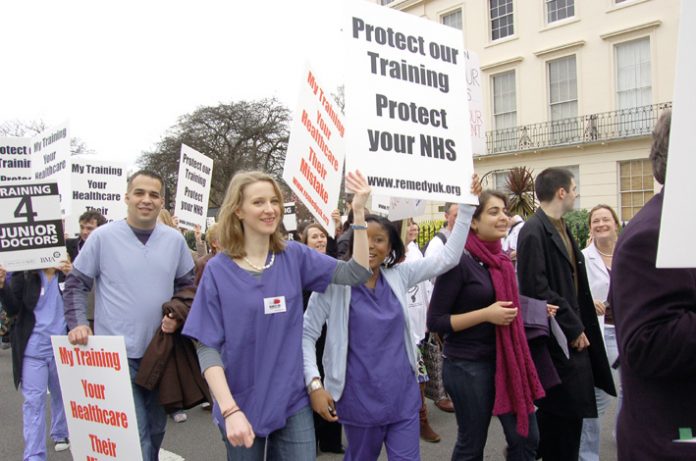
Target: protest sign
(678, 200)
(98, 398)
(97, 185)
(406, 105)
(51, 161)
(380, 205)
(15, 159)
(193, 188)
(31, 229)
(474, 94)
(314, 162)
(290, 217)
(396, 208)
(403, 208)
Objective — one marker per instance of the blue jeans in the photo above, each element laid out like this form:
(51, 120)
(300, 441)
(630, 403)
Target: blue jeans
(591, 427)
(471, 386)
(294, 442)
(152, 419)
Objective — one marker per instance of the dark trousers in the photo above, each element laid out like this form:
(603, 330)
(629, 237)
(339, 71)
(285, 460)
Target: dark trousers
(471, 385)
(559, 437)
(328, 434)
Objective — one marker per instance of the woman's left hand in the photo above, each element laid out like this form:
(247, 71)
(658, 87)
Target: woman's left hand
(476, 187)
(356, 182)
(551, 310)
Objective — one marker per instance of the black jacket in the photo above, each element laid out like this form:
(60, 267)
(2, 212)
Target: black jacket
(19, 298)
(545, 272)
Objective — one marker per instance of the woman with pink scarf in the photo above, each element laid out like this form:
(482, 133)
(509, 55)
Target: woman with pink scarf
(487, 368)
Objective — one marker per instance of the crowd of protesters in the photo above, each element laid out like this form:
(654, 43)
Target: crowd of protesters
(319, 345)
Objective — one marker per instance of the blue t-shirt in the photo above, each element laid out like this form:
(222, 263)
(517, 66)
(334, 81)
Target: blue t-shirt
(261, 352)
(132, 280)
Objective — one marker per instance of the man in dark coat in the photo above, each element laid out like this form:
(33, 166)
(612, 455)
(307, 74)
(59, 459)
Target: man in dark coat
(552, 268)
(655, 316)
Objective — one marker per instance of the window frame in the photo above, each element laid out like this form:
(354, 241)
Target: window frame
(547, 12)
(491, 29)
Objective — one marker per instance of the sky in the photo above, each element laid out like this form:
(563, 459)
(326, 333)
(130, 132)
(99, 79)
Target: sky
(123, 72)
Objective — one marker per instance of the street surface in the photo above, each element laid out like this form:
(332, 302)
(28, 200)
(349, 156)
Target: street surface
(198, 439)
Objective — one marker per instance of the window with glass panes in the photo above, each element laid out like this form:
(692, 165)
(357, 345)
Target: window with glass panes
(559, 9)
(633, 82)
(501, 18)
(563, 99)
(453, 19)
(636, 186)
(504, 110)
(500, 178)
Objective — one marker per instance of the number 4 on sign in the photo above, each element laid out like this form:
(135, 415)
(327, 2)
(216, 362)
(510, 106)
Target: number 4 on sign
(25, 202)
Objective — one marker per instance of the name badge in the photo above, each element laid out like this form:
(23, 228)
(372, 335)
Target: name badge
(274, 305)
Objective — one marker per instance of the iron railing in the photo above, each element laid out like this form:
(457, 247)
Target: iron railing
(585, 129)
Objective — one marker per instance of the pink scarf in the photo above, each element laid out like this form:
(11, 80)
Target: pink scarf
(516, 382)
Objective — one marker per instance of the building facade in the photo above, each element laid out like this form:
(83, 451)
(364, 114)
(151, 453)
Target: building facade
(576, 84)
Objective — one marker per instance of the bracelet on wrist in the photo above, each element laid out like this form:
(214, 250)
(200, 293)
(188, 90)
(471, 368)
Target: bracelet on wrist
(230, 412)
(358, 226)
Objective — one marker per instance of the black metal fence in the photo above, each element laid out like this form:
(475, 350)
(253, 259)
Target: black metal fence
(602, 126)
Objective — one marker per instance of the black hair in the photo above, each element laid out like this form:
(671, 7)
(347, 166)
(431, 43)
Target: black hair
(398, 250)
(485, 196)
(90, 215)
(149, 174)
(549, 181)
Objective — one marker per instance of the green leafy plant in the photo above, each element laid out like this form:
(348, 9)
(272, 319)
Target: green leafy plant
(520, 188)
(577, 222)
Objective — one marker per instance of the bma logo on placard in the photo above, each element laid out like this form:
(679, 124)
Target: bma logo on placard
(50, 259)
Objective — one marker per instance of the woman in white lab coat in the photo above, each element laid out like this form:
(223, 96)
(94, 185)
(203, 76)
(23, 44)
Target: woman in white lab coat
(604, 231)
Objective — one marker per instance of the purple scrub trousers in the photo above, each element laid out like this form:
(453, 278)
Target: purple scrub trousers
(38, 374)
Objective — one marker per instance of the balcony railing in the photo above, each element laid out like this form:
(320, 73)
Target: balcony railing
(585, 129)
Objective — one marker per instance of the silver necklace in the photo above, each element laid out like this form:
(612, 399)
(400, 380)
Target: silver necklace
(260, 269)
(604, 254)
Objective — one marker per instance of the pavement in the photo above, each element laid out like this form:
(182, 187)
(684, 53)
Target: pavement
(198, 439)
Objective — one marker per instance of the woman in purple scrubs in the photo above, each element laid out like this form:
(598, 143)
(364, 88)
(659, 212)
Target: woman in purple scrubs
(36, 298)
(247, 315)
(370, 358)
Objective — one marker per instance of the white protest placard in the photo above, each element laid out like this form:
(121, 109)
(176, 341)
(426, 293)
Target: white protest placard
(51, 161)
(474, 94)
(290, 217)
(380, 205)
(97, 185)
(403, 208)
(680, 187)
(314, 160)
(15, 159)
(98, 398)
(407, 114)
(193, 188)
(31, 229)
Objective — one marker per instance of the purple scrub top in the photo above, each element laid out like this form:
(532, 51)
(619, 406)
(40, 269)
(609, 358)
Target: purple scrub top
(50, 319)
(261, 353)
(381, 387)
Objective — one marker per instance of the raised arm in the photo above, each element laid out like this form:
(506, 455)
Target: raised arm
(436, 263)
(357, 183)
